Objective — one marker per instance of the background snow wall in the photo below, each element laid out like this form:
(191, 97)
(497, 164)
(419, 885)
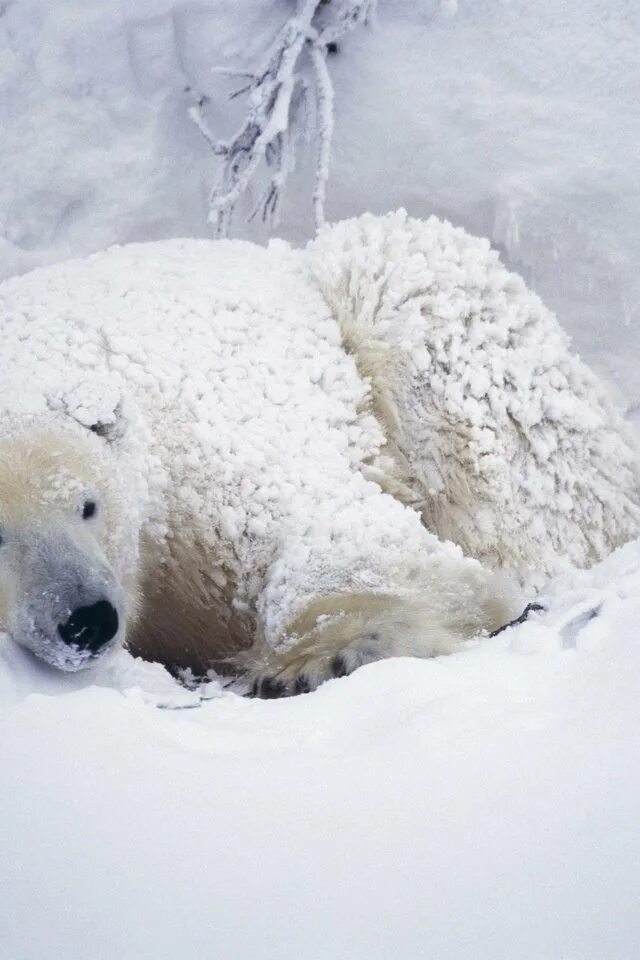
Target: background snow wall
(519, 120)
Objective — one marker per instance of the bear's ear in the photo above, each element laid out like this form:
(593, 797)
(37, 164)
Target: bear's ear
(96, 404)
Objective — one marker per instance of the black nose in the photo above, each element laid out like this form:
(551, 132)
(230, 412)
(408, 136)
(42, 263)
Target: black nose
(89, 628)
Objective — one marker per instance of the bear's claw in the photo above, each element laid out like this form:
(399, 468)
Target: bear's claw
(524, 616)
(275, 681)
(268, 688)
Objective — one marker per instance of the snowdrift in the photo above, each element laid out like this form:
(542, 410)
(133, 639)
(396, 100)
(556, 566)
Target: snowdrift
(483, 805)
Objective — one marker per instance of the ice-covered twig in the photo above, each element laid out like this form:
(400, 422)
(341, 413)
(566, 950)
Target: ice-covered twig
(324, 114)
(278, 108)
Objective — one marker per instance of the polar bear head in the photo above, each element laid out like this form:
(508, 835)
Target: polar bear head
(68, 542)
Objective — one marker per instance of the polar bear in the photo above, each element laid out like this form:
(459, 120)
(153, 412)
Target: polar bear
(289, 463)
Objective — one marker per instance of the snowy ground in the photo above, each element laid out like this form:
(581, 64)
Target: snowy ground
(484, 805)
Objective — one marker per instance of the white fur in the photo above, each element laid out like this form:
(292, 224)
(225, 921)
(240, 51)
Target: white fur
(276, 415)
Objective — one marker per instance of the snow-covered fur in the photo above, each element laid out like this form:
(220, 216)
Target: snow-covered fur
(271, 417)
(503, 440)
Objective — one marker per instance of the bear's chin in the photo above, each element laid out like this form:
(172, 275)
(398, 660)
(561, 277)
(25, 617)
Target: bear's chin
(64, 657)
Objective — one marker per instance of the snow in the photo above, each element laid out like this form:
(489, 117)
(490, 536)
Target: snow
(482, 805)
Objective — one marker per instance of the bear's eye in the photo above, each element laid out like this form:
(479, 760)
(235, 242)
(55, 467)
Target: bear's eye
(89, 509)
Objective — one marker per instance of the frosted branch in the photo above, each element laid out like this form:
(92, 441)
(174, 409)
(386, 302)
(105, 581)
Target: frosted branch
(278, 111)
(324, 114)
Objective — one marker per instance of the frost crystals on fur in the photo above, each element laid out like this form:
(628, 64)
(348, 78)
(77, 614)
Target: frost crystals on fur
(279, 110)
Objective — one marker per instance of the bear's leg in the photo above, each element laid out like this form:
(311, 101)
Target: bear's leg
(275, 681)
(336, 635)
(358, 578)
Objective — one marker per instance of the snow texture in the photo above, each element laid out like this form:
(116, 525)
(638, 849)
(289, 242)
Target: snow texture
(519, 121)
(482, 806)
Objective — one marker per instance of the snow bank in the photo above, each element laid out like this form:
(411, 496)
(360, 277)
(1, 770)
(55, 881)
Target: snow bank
(483, 805)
